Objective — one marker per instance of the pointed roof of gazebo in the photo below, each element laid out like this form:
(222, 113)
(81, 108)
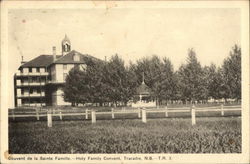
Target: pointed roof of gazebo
(143, 89)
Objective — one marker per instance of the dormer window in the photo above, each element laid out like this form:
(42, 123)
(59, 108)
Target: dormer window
(76, 57)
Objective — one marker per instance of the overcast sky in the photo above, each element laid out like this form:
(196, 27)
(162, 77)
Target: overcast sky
(131, 33)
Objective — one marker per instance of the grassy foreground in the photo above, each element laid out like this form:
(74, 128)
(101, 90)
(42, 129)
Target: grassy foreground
(169, 135)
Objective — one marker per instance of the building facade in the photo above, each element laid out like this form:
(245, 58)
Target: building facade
(39, 82)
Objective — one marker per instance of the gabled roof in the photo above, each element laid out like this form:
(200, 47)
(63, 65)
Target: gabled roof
(68, 58)
(47, 60)
(40, 61)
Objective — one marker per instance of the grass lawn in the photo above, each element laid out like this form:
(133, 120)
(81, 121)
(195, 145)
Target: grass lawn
(161, 135)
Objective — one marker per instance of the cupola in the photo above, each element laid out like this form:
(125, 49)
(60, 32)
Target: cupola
(66, 45)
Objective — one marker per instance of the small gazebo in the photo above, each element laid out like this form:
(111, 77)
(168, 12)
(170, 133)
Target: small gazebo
(145, 96)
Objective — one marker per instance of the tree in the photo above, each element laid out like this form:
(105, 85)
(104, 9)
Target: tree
(100, 82)
(212, 80)
(191, 78)
(119, 80)
(220, 89)
(113, 82)
(94, 78)
(167, 86)
(205, 81)
(177, 93)
(158, 76)
(74, 87)
(85, 86)
(231, 69)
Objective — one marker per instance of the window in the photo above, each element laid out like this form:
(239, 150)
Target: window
(76, 57)
(34, 80)
(22, 91)
(21, 70)
(38, 90)
(37, 69)
(64, 66)
(30, 69)
(31, 91)
(82, 67)
(64, 76)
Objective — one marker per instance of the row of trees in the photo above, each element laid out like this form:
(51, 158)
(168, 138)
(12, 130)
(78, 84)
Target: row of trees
(114, 82)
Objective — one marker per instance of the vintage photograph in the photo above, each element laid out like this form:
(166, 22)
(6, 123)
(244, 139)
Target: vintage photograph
(124, 80)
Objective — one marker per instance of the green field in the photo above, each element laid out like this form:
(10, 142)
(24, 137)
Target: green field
(161, 135)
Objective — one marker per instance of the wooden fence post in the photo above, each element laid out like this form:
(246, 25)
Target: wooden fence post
(93, 116)
(222, 110)
(60, 114)
(166, 111)
(13, 114)
(193, 115)
(37, 114)
(49, 119)
(86, 114)
(112, 113)
(139, 113)
(144, 116)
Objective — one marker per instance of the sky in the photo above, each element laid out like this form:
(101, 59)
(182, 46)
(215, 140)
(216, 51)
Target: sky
(132, 33)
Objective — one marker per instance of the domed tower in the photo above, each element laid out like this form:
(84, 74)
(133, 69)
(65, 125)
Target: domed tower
(66, 45)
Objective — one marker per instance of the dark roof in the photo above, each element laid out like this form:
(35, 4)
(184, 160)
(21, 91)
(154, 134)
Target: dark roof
(40, 61)
(143, 89)
(47, 60)
(68, 58)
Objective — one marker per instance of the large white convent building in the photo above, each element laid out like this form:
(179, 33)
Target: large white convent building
(39, 82)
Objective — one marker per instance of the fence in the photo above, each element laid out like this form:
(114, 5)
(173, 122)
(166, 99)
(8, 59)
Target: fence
(142, 113)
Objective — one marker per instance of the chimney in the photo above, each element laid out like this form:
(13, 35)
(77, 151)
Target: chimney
(22, 62)
(54, 53)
